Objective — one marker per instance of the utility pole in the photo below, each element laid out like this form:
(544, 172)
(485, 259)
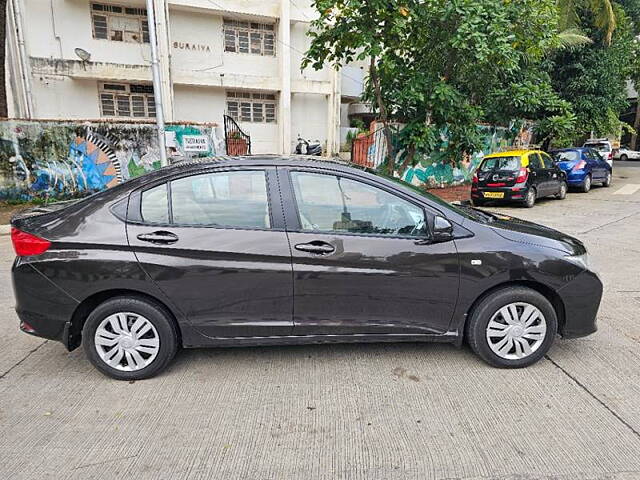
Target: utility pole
(157, 83)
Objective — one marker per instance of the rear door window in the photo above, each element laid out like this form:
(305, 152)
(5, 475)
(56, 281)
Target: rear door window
(236, 199)
(547, 162)
(534, 161)
(494, 164)
(155, 205)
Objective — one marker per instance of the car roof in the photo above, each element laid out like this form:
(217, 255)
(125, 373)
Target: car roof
(512, 153)
(570, 149)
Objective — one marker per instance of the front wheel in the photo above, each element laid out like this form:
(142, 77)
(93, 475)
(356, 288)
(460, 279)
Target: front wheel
(607, 180)
(512, 328)
(130, 338)
(562, 192)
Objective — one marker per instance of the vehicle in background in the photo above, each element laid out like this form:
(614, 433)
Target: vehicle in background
(583, 167)
(517, 176)
(307, 147)
(603, 146)
(270, 251)
(624, 154)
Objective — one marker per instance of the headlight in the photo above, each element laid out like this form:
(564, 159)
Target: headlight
(582, 261)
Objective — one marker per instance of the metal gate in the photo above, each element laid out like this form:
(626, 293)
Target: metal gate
(235, 140)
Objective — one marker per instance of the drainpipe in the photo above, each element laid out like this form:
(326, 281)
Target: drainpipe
(157, 83)
(23, 60)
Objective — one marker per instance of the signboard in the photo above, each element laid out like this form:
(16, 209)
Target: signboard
(195, 143)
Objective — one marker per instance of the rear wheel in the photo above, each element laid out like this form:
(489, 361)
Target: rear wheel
(586, 184)
(562, 192)
(624, 157)
(512, 328)
(129, 338)
(530, 198)
(607, 180)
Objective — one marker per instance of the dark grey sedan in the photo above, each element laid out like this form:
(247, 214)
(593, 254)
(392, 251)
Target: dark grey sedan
(271, 250)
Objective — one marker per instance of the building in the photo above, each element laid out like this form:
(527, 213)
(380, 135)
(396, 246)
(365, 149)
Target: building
(82, 59)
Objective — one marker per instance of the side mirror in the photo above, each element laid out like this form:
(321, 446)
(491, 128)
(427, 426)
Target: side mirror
(442, 230)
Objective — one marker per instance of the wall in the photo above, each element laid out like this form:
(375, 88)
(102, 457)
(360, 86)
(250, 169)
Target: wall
(46, 159)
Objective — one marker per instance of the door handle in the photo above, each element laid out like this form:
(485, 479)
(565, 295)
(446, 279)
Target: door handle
(160, 237)
(317, 247)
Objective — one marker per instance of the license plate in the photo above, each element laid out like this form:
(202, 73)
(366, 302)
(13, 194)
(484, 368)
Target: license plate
(493, 194)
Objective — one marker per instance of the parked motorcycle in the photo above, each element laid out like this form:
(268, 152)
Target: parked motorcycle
(306, 147)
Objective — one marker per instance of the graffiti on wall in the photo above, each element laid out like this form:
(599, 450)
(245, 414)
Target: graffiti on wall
(64, 159)
(437, 170)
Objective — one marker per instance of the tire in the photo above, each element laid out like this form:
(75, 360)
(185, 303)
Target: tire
(607, 181)
(530, 199)
(487, 327)
(477, 202)
(150, 332)
(624, 157)
(586, 184)
(562, 194)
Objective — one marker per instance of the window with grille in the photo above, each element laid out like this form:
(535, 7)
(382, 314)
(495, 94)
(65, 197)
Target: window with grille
(119, 24)
(252, 107)
(249, 37)
(127, 100)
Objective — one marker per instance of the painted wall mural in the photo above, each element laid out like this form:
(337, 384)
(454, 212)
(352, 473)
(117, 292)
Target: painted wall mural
(42, 159)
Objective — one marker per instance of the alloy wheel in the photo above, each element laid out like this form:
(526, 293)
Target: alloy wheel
(516, 331)
(127, 341)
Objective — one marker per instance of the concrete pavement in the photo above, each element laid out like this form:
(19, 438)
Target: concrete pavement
(416, 411)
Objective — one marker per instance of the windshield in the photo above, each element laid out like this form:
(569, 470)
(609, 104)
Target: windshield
(601, 147)
(500, 163)
(569, 156)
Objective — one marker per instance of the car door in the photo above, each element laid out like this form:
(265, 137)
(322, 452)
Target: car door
(595, 164)
(553, 174)
(361, 260)
(215, 244)
(538, 174)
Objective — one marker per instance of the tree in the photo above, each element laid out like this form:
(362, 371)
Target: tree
(602, 11)
(438, 65)
(592, 78)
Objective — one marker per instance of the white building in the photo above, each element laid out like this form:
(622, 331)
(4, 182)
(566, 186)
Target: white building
(241, 57)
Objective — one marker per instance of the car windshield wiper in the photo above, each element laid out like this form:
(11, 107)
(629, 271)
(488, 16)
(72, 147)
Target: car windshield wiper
(479, 214)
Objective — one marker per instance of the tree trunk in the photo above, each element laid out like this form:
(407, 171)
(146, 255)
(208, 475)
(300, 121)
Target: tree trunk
(4, 111)
(636, 126)
(373, 72)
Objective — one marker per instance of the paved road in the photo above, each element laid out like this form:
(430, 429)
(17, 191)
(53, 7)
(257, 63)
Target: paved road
(409, 411)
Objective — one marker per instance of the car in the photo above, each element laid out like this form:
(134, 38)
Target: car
(520, 176)
(265, 250)
(603, 146)
(583, 167)
(625, 153)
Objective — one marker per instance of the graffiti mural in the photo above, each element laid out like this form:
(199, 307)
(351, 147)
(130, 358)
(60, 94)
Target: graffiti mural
(436, 170)
(57, 160)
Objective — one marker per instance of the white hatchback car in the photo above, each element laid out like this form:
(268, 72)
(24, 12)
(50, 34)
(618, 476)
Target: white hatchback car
(603, 146)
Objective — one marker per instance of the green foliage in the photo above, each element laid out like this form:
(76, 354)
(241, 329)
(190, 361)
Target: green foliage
(592, 78)
(444, 65)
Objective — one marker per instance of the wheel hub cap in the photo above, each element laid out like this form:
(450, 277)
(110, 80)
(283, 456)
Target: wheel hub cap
(516, 330)
(127, 341)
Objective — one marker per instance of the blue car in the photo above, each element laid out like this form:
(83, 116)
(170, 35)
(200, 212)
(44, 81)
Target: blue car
(583, 167)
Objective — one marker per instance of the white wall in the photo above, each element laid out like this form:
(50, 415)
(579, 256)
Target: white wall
(199, 104)
(58, 97)
(308, 118)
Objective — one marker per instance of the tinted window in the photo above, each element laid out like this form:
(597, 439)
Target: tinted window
(230, 199)
(569, 156)
(546, 160)
(336, 204)
(534, 161)
(600, 147)
(500, 163)
(154, 206)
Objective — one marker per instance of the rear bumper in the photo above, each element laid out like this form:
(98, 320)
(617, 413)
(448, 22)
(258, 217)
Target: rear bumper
(44, 309)
(509, 195)
(581, 298)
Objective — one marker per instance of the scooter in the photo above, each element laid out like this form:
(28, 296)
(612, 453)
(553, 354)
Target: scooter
(306, 147)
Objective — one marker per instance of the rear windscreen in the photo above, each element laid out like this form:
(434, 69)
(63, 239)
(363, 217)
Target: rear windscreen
(566, 156)
(500, 163)
(601, 147)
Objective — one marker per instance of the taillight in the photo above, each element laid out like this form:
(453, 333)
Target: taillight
(26, 244)
(579, 166)
(475, 178)
(522, 175)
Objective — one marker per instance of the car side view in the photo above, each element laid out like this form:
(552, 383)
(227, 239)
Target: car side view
(583, 167)
(271, 251)
(520, 176)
